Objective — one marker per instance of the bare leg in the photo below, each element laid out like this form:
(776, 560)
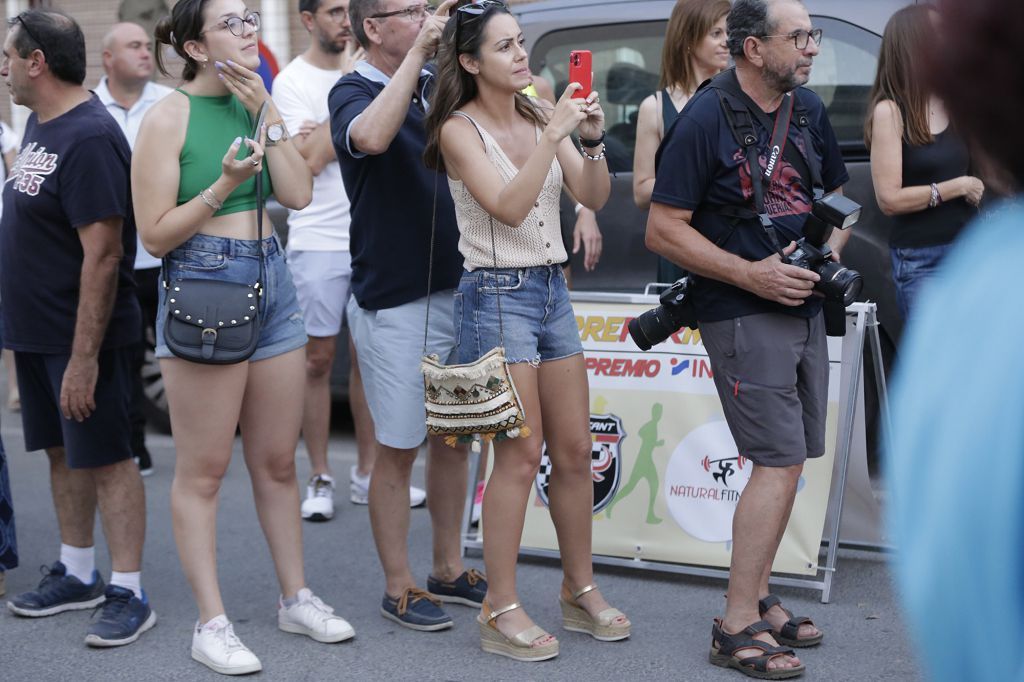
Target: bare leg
(366, 441)
(122, 502)
(756, 530)
(775, 615)
(504, 507)
(447, 472)
(389, 515)
(566, 408)
(316, 414)
(270, 420)
(74, 499)
(205, 403)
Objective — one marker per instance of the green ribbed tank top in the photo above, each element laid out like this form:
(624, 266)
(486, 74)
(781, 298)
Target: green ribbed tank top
(213, 124)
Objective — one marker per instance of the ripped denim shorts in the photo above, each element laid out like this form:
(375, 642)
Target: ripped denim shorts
(536, 315)
(237, 260)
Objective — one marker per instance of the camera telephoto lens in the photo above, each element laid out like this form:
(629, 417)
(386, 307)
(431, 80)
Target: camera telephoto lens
(839, 283)
(651, 328)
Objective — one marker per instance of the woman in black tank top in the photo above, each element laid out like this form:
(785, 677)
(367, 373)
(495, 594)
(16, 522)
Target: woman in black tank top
(694, 50)
(919, 164)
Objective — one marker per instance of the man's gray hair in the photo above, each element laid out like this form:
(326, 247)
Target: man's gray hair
(748, 18)
(358, 10)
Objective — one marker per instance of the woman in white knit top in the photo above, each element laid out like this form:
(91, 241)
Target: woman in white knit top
(506, 160)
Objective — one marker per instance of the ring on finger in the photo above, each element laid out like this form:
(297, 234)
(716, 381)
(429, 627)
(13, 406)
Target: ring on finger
(255, 162)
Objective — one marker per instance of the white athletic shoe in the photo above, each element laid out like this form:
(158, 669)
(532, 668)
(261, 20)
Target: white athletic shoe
(319, 502)
(313, 618)
(216, 646)
(359, 486)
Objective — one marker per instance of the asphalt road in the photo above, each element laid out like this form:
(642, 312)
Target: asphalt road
(672, 614)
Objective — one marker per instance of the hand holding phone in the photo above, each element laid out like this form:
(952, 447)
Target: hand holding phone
(581, 71)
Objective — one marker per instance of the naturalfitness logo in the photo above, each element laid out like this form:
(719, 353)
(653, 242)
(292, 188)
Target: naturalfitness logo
(703, 482)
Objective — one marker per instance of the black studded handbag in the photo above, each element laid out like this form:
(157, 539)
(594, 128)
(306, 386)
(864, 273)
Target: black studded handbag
(214, 322)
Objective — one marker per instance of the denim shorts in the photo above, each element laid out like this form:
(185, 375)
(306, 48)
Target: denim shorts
(911, 269)
(237, 260)
(537, 319)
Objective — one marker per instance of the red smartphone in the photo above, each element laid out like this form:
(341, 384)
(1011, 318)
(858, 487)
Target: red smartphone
(581, 71)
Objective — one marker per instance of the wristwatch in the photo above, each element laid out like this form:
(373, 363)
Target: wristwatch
(276, 132)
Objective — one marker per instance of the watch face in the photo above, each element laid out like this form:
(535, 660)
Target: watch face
(275, 132)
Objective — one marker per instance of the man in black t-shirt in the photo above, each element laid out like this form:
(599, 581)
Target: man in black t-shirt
(760, 324)
(67, 244)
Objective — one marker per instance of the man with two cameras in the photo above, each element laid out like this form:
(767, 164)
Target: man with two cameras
(738, 175)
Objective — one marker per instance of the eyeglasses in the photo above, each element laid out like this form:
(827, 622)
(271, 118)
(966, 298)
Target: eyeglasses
(20, 19)
(471, 11)
(410, 12)
(800, 38)
(337, 14)
(237, 24)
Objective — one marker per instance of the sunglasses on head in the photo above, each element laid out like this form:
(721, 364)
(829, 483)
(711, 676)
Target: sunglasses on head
(472, 10)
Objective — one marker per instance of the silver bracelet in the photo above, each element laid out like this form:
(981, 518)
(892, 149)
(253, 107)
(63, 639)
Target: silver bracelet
(586, 155)
(936, 198)
(212, 201)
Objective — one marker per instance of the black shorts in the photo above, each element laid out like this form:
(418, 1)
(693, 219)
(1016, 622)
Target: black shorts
(103, 438)
(771, 372)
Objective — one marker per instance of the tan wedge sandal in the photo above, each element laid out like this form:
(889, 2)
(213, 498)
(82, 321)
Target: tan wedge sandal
(610, 625)
(517, 647)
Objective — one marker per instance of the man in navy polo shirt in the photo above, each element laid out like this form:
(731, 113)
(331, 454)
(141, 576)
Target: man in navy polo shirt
(67, 243)
(377, 114)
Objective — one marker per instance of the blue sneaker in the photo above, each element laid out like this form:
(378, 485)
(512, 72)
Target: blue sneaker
(124, 617)
(58, 592)
(416, 610)
(469, 589)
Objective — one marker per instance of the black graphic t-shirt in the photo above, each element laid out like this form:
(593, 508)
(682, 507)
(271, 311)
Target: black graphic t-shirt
(701, 165)
(72, 171)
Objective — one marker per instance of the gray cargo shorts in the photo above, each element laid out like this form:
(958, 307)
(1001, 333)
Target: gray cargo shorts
(771, 372)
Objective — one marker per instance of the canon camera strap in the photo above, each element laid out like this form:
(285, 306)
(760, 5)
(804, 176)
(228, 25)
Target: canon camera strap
(739, 110)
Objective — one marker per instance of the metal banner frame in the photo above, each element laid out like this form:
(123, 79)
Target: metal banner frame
(865, 327)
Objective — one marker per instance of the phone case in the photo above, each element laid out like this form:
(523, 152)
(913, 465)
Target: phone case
(581, 71)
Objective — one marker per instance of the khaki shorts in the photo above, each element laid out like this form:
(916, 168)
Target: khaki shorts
(771, 372)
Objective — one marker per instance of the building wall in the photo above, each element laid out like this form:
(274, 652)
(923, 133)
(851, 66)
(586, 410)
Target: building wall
(96, 17)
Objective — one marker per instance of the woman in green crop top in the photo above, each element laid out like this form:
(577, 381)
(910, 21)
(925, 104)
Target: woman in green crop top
(193, 181)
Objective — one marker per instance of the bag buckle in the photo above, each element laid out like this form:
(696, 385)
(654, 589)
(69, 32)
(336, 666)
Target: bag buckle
(209, 340)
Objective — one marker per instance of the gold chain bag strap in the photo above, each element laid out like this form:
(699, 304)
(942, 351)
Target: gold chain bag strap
(478, 397)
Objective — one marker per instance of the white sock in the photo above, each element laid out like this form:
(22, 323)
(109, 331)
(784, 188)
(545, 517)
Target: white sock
(129, 581)
(80, 562)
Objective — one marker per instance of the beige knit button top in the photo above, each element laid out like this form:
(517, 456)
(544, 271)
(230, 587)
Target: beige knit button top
(537, 241)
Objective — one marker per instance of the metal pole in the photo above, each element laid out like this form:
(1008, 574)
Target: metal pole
(844, 442)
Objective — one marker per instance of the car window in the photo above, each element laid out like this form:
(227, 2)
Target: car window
(843, 73)
(627, 65)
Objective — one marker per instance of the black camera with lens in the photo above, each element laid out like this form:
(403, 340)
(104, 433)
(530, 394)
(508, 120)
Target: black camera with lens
(837, 282)
(675, 312)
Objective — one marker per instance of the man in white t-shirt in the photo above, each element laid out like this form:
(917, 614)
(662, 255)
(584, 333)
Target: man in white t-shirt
(127, 92)
(318, 247)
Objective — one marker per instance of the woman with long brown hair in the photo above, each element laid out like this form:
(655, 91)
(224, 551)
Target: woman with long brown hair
(506, 156)
(920, 166)
(195, 162)
(694, 50)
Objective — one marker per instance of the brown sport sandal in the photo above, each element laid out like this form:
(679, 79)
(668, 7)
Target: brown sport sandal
(725, 646)
(789, 634)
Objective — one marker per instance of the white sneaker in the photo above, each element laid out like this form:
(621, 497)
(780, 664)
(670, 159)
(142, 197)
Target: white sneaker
(319, 502)
(216, 646)
(359, 486)
(313, 618)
